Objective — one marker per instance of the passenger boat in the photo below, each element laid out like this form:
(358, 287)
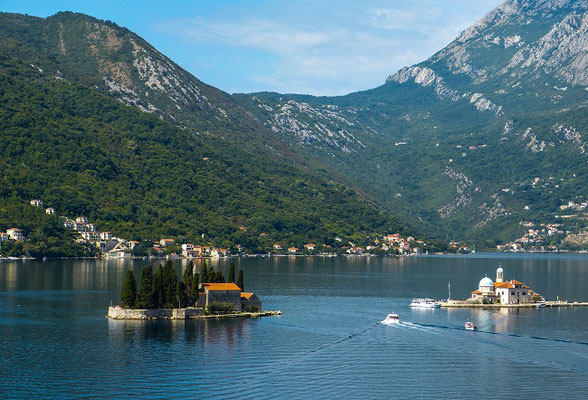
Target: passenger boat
(471, 326)
(425, 303)
(391, 319)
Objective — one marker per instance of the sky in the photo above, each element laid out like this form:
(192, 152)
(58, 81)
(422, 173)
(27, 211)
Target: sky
(320, 47)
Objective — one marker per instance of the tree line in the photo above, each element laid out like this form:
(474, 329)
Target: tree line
(162, 288)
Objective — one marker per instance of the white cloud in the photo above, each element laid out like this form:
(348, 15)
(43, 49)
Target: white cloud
(332, 51)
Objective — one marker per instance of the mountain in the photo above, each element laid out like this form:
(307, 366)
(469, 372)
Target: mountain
(489, 132)
(96, 122)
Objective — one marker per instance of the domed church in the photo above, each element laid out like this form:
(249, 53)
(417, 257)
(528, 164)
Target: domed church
(501, 292)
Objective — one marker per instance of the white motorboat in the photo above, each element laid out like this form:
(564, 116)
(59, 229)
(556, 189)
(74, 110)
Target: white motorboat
(425, 303)
(471, 326)
(391, 319)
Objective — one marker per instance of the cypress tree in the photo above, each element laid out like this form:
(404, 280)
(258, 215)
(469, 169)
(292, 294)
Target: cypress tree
(220, 277)
(145, 298)
(128, 293)
(203, 273)
(188, 274)
(158, 291)
(181, 298)
(232, 273)
(240, 280)
(170, 279)
(194, 289)
(211, 274)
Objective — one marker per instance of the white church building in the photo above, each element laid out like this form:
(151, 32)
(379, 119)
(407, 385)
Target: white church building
(504, 292)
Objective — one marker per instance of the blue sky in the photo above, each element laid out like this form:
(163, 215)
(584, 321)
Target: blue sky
(321, 47)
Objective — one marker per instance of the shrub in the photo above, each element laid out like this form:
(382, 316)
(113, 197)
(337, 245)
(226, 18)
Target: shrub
(218, 307)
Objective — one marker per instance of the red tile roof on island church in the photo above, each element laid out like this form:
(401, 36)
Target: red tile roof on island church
(220, 286)
(246, 295)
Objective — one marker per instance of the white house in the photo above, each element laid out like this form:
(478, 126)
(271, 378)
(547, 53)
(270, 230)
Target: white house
(91, 236)
(50, 211)
(68, 223)
(105, 235)
(15, 234)
(4, 237)
(82, 220)
(37, 203)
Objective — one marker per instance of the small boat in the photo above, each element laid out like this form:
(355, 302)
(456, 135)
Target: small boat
(425, 303)
(391, 319)
(541, 304)
(471, 326)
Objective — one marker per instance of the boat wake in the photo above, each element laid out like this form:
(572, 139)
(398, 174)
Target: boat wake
(434, 327)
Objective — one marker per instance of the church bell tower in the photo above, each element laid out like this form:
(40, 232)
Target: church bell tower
(499, 275)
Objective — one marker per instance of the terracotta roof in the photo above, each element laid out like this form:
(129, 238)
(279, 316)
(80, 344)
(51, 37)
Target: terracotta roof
(246, 295)
(476, 292)
(221, 286)
(503, 285)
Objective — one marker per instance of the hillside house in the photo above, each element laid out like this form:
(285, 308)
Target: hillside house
(68, 223)
(310, 246)
(15, 234)
(37, 203)
(91, 236)
(277, 246)
(105, 235)
(167, 242)
(4, 237)
(82, 220)
(49, 211)
(293, 250)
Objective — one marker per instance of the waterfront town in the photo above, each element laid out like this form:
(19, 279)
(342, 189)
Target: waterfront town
(537, 237)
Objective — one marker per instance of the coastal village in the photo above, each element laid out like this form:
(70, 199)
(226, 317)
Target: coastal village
(538, 237)
(111, 246)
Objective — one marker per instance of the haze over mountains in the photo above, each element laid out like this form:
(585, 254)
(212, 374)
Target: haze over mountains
(452, 146)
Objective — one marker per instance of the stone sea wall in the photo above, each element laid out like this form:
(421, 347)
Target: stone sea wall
(158, 313)
(178, 313)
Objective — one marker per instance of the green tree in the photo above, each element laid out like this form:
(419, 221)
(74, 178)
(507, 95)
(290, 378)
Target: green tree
(194, 289)
(232, 272)
(128, 293)
(203, 273)
(240, 280)
(188, 274)
(145, 298)
(182, 298)
(170, 279)
(219, 277)
(158, 290)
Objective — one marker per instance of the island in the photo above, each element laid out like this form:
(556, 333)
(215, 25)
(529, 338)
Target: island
(205, 294)
(509, 293)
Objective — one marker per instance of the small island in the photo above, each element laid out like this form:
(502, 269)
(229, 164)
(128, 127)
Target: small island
(506, 294)
(163, 295)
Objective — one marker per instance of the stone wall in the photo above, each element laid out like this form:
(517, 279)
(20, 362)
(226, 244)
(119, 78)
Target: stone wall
(224, 296)
(158, 313)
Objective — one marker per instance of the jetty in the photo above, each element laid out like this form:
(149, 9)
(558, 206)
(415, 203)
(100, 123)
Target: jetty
(552, 303)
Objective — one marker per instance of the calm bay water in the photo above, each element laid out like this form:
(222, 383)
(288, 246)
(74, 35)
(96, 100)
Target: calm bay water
(56, 343)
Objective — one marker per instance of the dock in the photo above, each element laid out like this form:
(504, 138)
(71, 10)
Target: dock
(549, 303)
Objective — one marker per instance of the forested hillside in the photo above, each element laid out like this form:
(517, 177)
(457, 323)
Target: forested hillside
(141, 177)
(489, 132)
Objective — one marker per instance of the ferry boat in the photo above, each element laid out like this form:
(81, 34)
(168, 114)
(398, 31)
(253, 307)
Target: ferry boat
(425, 303)
(471, 326)
(391, 319)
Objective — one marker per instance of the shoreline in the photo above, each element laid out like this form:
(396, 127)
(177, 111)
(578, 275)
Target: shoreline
(154, 314)
(565, 252)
